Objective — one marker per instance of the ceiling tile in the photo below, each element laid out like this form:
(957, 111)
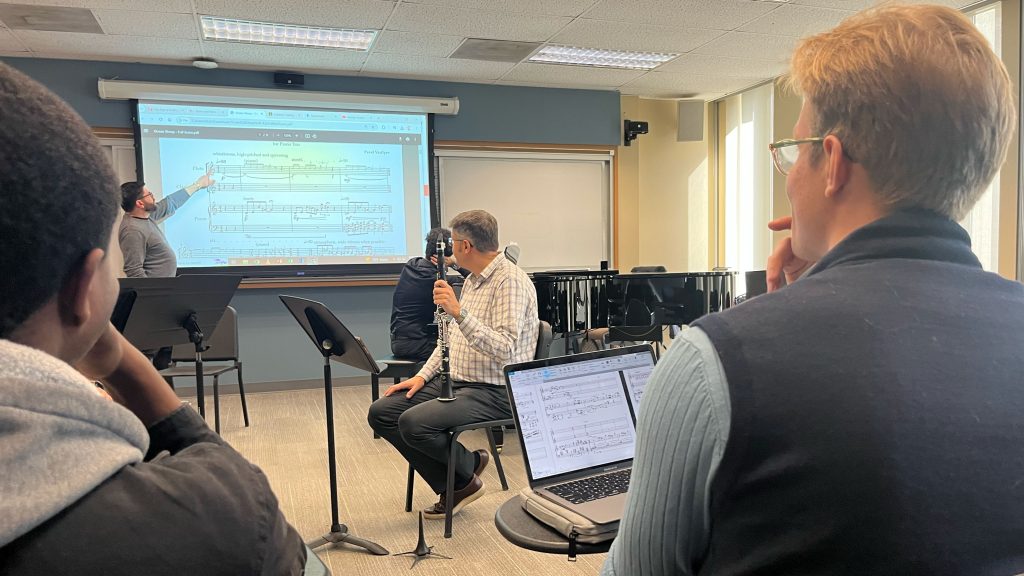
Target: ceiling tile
(588, 33)
(719, 14)
(123, 47)
(475, 23)
(852, 5)
(284, 57)
(856, 5)
(176, 6)
(433, 68)
(422, 43)
(333, 14)
(797, 21)
(682, 85)
(747, 45)
(551, 7)
(156, 25)
(707, 65)
(8, 43)
(572, 76)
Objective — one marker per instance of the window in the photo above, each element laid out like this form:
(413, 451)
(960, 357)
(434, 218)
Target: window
(744, 184)
(982, 222)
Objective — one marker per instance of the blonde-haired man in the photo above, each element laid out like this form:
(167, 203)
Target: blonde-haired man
(865, 418)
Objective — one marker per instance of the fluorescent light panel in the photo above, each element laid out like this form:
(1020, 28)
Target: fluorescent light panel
(234, 30)
(554, 54)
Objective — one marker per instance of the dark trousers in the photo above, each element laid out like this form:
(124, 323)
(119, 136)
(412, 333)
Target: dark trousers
(416, 426)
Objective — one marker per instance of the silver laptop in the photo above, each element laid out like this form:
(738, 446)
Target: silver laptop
(576, 417)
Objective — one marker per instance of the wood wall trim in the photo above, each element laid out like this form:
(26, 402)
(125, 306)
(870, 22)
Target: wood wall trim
(112, 132)
(256, 285)
(519, 147)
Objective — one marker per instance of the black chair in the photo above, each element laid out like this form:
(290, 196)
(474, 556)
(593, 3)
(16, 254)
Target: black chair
(396, 369)
(223, 348)
(544, 338)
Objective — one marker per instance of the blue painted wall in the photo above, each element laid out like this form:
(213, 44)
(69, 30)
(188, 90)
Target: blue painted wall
(486, 112)
(273, 347)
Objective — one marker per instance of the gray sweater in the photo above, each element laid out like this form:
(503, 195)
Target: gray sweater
(146, 251)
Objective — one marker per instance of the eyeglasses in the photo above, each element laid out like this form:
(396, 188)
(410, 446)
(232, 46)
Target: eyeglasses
(786, 152)
(457, 240)
(146, 195)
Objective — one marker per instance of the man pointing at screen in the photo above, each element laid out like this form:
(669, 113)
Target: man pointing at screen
(146, 251)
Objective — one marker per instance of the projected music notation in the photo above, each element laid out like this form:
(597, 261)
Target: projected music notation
(303, 210)
(268, 216)
(268, 178)
(270, 253)
(591, 439)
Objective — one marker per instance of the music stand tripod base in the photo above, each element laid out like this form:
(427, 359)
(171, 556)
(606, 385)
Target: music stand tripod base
(422, 550)
(339, 534)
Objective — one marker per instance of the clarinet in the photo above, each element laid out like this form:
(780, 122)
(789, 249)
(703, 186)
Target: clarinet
(442, 319)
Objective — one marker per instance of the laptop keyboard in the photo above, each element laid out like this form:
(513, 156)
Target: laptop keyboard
(593, 488)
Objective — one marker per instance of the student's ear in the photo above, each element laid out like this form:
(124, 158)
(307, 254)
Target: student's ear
(838, 166)
(75, 302)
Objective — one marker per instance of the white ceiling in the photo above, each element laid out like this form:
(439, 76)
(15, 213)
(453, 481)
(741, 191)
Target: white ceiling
(725, 45)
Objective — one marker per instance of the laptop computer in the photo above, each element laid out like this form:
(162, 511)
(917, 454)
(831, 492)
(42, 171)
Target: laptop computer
(576, 417)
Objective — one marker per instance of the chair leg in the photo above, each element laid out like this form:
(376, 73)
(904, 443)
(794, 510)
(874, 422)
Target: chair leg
(449, 497)
(408, 489)
(241, 392)
(374, 396)
(497, 458)
(498, 436)
(216, 404)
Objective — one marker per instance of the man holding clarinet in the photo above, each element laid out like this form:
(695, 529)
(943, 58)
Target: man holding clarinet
(495, 323)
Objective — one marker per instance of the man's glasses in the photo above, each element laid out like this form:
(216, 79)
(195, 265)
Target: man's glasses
(786, 152)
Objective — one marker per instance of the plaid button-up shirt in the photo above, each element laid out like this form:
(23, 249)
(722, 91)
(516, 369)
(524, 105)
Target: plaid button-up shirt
(500, 328)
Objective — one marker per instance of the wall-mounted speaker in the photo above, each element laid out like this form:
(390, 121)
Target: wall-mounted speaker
(289, 79)
(691, 121)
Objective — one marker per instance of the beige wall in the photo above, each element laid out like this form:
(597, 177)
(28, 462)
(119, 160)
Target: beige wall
(627, 208)
(663, 192)
(786, 109)
(1009, 184)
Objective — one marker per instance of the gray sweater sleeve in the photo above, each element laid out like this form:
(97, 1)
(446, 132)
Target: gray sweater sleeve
(681, 435)
(133, 249)
(169, 205)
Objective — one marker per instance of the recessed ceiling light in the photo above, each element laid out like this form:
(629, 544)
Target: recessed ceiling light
(554, 54)
(234, 30)
(204, 63)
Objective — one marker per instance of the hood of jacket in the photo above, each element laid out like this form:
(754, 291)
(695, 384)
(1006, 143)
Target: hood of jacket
(59, 439)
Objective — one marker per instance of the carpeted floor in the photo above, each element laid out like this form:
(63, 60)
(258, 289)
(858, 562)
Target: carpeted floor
(287, 439)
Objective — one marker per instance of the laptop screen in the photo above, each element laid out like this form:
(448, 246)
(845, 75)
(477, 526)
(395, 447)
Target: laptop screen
(581, 413)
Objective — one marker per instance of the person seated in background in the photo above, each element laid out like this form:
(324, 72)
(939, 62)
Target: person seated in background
(494, 323)
(91, 486)
(866, 418)
(413, 333)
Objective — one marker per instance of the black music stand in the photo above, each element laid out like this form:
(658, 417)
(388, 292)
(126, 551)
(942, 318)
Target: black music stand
(333, 341)
(169, 311)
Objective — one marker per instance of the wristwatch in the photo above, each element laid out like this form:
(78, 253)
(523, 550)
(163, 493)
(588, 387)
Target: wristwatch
(463, 314)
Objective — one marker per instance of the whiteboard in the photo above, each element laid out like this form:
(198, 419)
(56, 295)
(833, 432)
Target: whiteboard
(556, 206)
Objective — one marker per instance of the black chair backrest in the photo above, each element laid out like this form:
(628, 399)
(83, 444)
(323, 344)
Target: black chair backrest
(544, 338)
(648, 269)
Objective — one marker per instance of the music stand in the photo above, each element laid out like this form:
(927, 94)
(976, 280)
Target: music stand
(333, 341)
(169, 311)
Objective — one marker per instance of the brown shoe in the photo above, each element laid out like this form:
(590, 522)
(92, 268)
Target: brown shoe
(484, 458)
(472, 491)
